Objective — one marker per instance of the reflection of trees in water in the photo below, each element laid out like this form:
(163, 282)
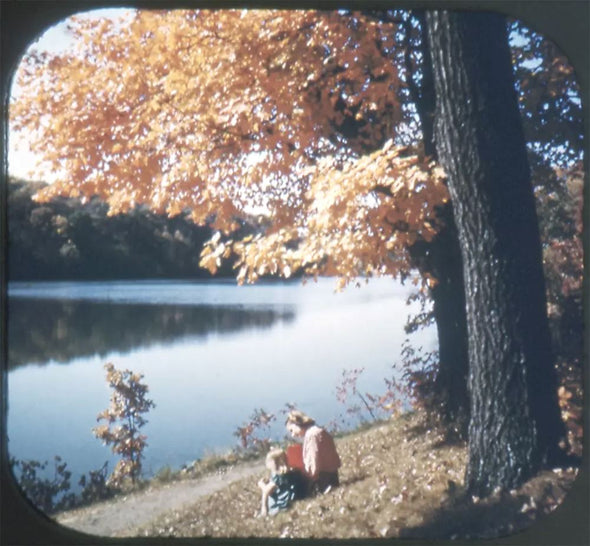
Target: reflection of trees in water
(43, 330)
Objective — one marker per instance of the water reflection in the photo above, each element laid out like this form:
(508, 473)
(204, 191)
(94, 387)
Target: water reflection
(41, 330)
(210, 353)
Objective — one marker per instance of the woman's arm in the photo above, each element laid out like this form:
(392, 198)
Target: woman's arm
(311, 452)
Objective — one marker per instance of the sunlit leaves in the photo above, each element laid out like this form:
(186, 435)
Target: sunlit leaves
(357, 218)
(279, 120)
(165, 108)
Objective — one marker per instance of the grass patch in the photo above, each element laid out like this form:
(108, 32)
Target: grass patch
(209, 464)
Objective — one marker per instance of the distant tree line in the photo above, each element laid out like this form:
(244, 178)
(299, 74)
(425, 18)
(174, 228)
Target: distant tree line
(64, 330)
(65, 239)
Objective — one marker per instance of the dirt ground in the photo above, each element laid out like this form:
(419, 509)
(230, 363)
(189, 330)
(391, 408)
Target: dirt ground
(110, 518)
(399, 479)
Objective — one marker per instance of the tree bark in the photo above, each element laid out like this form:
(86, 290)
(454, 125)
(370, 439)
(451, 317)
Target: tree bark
(515, 423)
(450, 385)
(442, 258)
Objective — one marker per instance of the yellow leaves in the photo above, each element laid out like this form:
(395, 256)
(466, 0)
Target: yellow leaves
(219, 112)
(206, 74)
(563, 394)
(174, 208)
(430, 280)
(361, 211)
(214, 251)
(341, 284)
(208, 261)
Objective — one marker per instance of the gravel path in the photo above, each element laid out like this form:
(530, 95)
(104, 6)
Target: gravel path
(112, 518)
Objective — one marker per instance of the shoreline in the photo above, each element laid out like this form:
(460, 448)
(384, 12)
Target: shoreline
(399, 479)
(157, 495)
(112, 516)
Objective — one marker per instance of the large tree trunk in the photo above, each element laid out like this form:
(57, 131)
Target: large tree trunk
(442, 259)
(450, 386)
(515, 423)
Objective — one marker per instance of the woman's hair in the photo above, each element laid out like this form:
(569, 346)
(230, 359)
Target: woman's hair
(277, 459)
(300, 419)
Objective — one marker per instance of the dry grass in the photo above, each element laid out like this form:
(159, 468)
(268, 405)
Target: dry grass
(398, 479)
(202, 467)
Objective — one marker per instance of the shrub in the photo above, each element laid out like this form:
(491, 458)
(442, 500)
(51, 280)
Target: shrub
(95, 487)
(124, 418)
(254, 435)
(49, 495)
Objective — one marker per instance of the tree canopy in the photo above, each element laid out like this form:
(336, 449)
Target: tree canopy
(549, 98)
(282, 131)
(237, 114)
(64, 239)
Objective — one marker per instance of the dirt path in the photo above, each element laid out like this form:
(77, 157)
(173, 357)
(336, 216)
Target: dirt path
(114, 517)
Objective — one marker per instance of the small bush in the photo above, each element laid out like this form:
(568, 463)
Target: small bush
(54, 495)
(49, 495)
(165, 474)
(124, 418)
(95, 487)
(254, 435)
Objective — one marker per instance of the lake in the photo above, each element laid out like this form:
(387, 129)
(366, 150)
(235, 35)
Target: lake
(211, 352)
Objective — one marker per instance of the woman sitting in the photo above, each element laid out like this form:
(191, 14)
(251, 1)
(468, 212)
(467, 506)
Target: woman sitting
(320, 458)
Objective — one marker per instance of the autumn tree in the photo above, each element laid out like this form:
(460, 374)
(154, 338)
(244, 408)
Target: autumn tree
(279, 129)
(124, 419)
(301, 96)
(550, 106)
(318, 85)
(515, 424)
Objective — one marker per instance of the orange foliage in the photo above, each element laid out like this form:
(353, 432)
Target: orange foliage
(124, 419)
(228, 113)
(359, 220)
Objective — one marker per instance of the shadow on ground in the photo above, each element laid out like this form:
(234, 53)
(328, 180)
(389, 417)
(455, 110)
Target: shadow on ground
(502, 514)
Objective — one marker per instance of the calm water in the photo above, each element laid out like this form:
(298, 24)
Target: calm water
(211, 353)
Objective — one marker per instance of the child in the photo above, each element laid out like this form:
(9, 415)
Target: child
(285, 485)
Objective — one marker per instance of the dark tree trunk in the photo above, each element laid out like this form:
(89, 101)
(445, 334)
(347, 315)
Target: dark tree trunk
(450, 386)
(442, 258)
(514, 420)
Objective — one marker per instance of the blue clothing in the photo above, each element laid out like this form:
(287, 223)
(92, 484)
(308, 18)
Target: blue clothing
(289, 487)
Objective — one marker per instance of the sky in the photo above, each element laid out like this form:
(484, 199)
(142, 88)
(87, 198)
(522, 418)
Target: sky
(55, 39)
